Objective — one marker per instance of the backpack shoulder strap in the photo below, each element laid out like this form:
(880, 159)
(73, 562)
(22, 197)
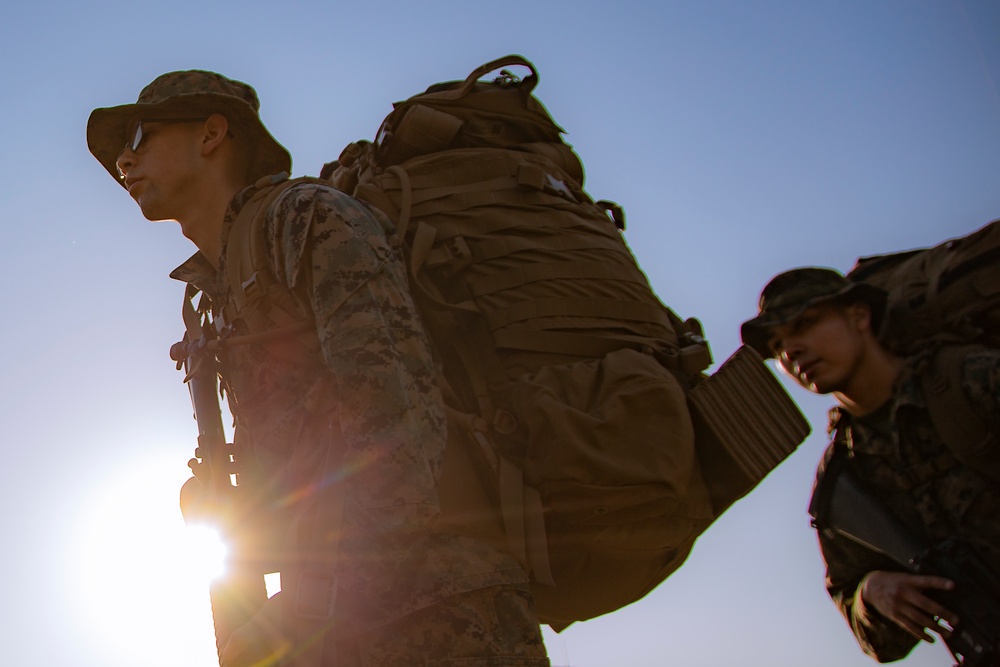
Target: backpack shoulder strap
(834, 460)
(969, 436)
(244, 253)
(248, 273)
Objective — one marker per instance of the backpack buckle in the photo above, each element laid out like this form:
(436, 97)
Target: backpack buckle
(453, 255)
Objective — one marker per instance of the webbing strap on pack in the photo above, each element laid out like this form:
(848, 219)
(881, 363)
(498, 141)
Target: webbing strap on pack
(249, 281)
(561, 342)
(487, 249)
(582, 306)
(405, 200)
(423, 240)
(524, 275)
(243, 250)
(524, 522)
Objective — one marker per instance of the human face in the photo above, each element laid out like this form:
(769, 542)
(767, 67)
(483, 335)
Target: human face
(822, 349)
(135, 134)
(157, 163)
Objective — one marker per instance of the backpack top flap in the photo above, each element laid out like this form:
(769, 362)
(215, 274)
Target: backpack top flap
(502, 113)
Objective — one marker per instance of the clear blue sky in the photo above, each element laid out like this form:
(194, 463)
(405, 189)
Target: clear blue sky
(742, 138)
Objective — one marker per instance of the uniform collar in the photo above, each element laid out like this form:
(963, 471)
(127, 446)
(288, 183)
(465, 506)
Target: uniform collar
(857, 436)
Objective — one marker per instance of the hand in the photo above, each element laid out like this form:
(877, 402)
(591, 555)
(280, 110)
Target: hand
(195, 501)
(260, 641)
(900, 597)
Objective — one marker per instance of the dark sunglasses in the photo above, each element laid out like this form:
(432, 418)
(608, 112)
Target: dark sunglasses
(133, 138)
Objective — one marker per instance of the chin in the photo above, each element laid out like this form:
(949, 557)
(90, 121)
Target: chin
(151, 214)
(821, 387)
(817, 386)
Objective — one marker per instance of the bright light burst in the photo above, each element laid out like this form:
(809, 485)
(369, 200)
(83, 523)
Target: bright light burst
(142, 574)
(205, 551)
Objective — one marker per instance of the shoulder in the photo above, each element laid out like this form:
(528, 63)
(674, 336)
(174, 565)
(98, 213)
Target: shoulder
(312, 207)
(980, 378)
(306, 189)
(973, 367)
(316, 197)
(980, 364)
(311, 218)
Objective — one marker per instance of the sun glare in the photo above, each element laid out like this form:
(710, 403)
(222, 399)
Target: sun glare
(205, 551)
(142, 574)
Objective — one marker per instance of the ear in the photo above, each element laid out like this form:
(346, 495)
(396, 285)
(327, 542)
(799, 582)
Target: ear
(214, 132)
(860, 316)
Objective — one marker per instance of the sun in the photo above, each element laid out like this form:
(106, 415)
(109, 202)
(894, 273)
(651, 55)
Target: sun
(140, 573)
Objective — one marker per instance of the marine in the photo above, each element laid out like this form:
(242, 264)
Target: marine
(351, 405)
(823, 331)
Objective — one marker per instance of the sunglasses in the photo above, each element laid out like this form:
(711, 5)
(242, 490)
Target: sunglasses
(133, 138)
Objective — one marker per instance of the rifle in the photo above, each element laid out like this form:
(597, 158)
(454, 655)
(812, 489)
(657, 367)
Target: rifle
(210, 496)
(841, 503)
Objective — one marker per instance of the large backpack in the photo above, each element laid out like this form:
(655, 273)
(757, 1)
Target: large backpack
(949, 293)
(581, 423)
(943, 301)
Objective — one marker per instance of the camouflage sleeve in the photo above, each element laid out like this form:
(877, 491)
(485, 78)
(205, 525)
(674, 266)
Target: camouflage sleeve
(333, 248)
(847, 564)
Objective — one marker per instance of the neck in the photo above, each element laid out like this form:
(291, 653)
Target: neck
(202, 224)
(872, 383)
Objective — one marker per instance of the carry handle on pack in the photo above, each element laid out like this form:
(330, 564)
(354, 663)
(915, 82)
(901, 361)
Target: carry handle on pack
(527, 84)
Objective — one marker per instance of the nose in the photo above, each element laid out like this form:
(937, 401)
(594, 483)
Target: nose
(124, 162)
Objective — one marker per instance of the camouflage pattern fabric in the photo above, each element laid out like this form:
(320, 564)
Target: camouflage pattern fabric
(898, 455)
(370, 392)
(492, 627)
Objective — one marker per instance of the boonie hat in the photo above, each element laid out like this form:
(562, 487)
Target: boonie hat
(791, 293)
(188, 94)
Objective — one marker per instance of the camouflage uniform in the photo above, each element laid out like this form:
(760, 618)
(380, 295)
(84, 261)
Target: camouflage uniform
(369, 393)
(897, 453)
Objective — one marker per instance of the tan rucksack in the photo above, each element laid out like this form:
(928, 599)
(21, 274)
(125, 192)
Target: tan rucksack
(943, 302)
(949, 293)
(574, 395)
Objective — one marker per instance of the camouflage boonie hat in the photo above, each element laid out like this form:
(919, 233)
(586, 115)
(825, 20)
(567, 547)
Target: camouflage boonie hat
(190, 94)
(791, 293)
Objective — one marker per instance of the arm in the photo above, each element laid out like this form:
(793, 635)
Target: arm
(852, 563)
(848, 566)
(380, 395)
(333, 249)
(856, 531)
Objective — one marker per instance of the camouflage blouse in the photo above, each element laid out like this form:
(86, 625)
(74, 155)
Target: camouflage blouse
(367, 391)
(898, 455)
